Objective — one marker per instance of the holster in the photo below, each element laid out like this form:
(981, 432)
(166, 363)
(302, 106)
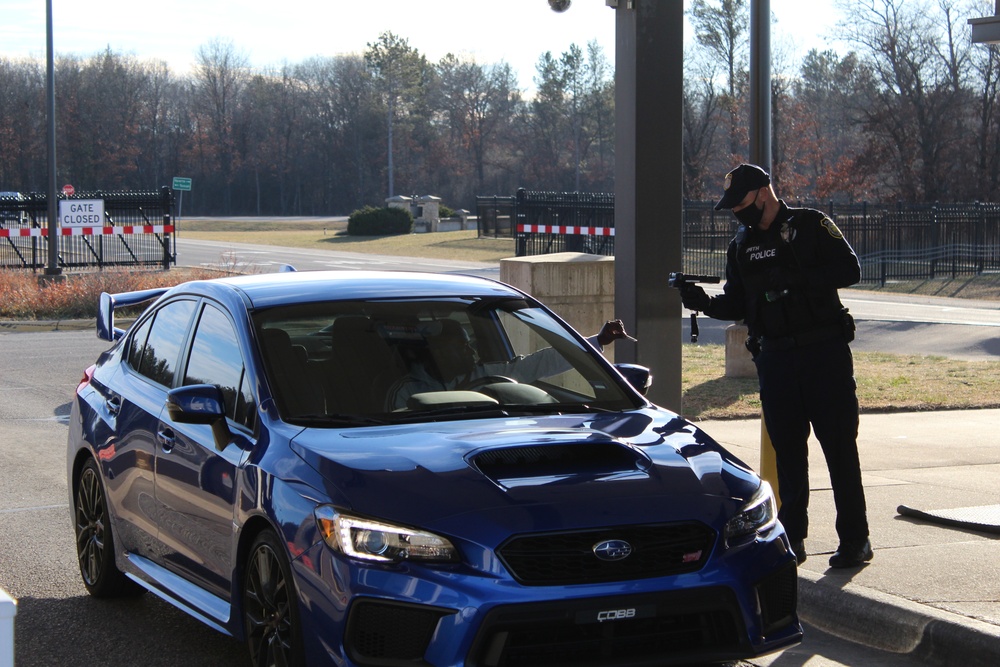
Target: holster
(847, 322)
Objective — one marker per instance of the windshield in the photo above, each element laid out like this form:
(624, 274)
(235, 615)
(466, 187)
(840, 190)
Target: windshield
(369, 362)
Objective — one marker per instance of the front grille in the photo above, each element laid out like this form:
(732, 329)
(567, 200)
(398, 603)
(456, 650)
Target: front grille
(390, 633)
(555, 559)
(778, 595)
(658, 629)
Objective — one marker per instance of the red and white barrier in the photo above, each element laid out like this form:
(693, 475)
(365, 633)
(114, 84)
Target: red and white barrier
(89, 231)
(566, 229)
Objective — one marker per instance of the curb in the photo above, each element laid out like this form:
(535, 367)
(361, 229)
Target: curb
(897, 625)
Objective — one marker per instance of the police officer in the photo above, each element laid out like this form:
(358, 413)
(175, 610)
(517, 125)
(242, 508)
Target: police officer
(783, 270)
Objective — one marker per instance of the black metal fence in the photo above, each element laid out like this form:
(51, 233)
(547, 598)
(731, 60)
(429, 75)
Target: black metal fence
(893, 242)
(137, 231)
(547, 222)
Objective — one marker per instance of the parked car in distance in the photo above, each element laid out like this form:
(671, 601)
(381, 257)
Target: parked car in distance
(393, 468)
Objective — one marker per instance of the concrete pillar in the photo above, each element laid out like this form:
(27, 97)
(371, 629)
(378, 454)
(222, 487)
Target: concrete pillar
(739, 363)
(649, 85)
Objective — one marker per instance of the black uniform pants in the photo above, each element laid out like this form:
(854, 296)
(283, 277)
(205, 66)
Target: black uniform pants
(814, 385)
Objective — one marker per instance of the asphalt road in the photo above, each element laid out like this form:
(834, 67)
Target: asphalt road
(57, 623)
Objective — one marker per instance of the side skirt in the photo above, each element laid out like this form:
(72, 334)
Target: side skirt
(211, 610)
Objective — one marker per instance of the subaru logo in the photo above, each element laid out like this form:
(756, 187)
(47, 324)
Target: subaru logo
(612, 550)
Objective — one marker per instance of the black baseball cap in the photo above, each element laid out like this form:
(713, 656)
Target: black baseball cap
(745, 178)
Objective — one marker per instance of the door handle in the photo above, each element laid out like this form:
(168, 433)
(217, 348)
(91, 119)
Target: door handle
(114, 404)
(166, 438)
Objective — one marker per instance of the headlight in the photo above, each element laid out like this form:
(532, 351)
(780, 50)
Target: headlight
(375, 541)
(757, 515)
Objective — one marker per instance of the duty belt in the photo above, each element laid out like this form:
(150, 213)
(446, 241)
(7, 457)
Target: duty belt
(768, 343)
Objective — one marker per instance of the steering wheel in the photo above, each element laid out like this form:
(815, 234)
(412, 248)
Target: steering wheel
(476, 383)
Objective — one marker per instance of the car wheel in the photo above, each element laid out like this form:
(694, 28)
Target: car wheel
(95, 542)
(270, 611)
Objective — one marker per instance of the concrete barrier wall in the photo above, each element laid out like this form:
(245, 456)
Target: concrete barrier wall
(579, 287)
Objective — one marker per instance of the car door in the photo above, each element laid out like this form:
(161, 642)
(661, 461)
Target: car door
(136, 394)
(196, 482)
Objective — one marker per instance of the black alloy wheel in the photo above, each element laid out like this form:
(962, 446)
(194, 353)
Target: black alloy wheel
(270, 614)
(94, 539)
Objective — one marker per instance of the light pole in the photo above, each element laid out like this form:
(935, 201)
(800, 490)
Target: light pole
(52, 268)
(760, 83)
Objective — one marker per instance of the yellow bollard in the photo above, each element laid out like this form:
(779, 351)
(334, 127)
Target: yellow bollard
(768, 464)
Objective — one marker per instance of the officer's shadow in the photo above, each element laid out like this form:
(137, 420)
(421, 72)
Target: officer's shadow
(718, 393)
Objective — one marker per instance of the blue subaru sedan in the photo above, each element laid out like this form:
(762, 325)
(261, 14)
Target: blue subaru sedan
(388, 468)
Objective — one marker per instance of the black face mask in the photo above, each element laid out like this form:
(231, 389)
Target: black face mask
(751, 215)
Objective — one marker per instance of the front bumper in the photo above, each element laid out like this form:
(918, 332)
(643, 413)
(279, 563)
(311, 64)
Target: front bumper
(367, 616)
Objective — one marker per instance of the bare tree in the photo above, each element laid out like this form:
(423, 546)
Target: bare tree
(220, 77)
(479, 102)
(702, 102)
(914, 109)
(723, 30)
(399, 72)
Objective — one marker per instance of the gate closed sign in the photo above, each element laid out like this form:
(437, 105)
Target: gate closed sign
(81, 213)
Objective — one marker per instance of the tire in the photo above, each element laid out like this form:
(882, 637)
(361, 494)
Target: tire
(95, 543)
(270, 606)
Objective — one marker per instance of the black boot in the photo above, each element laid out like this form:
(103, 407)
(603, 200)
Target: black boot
(852, 554)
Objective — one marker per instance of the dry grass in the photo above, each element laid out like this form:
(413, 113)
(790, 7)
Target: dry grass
(23, 296)
(459, 245)
(886, 383)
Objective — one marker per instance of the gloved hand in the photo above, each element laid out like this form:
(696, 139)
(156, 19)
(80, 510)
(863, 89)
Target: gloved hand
(694, 297)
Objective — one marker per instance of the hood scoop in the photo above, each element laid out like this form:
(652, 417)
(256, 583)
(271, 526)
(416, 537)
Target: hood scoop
(534, 465)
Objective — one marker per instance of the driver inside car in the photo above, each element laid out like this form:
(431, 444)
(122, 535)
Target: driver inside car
(451, 363)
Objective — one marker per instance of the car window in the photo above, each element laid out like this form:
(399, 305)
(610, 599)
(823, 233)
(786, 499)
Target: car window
(216, 359)
(137, 343)
(161, 354)
(384, 358)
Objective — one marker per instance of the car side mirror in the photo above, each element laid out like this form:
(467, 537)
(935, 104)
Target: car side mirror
(201, 404)
(639, 377)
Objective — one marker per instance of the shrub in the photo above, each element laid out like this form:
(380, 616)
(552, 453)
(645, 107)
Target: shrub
(371, 221)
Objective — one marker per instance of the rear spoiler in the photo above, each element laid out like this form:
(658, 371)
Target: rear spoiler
(106, 310)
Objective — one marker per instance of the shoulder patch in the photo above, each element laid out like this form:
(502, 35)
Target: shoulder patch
(831, 227)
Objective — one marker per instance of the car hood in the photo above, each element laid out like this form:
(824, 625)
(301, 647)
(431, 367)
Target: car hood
(527, 474)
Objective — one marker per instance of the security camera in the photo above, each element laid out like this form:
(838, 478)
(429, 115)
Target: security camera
(559, 5)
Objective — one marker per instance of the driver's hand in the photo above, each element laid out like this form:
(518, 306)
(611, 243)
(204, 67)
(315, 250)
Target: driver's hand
(612, 331)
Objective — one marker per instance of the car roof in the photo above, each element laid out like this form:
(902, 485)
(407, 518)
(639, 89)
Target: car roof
(286, 288)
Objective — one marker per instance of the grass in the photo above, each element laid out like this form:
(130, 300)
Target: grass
(326, 235)
(886, 382)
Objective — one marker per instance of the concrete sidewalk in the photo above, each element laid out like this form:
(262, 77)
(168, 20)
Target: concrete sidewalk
(932, 592)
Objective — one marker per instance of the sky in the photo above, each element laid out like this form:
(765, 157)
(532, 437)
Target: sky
(274, 32)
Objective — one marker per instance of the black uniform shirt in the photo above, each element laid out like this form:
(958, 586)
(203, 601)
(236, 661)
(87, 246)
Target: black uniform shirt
(783, 280)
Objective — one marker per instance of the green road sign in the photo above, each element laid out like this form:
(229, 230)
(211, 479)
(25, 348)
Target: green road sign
(182, 183)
